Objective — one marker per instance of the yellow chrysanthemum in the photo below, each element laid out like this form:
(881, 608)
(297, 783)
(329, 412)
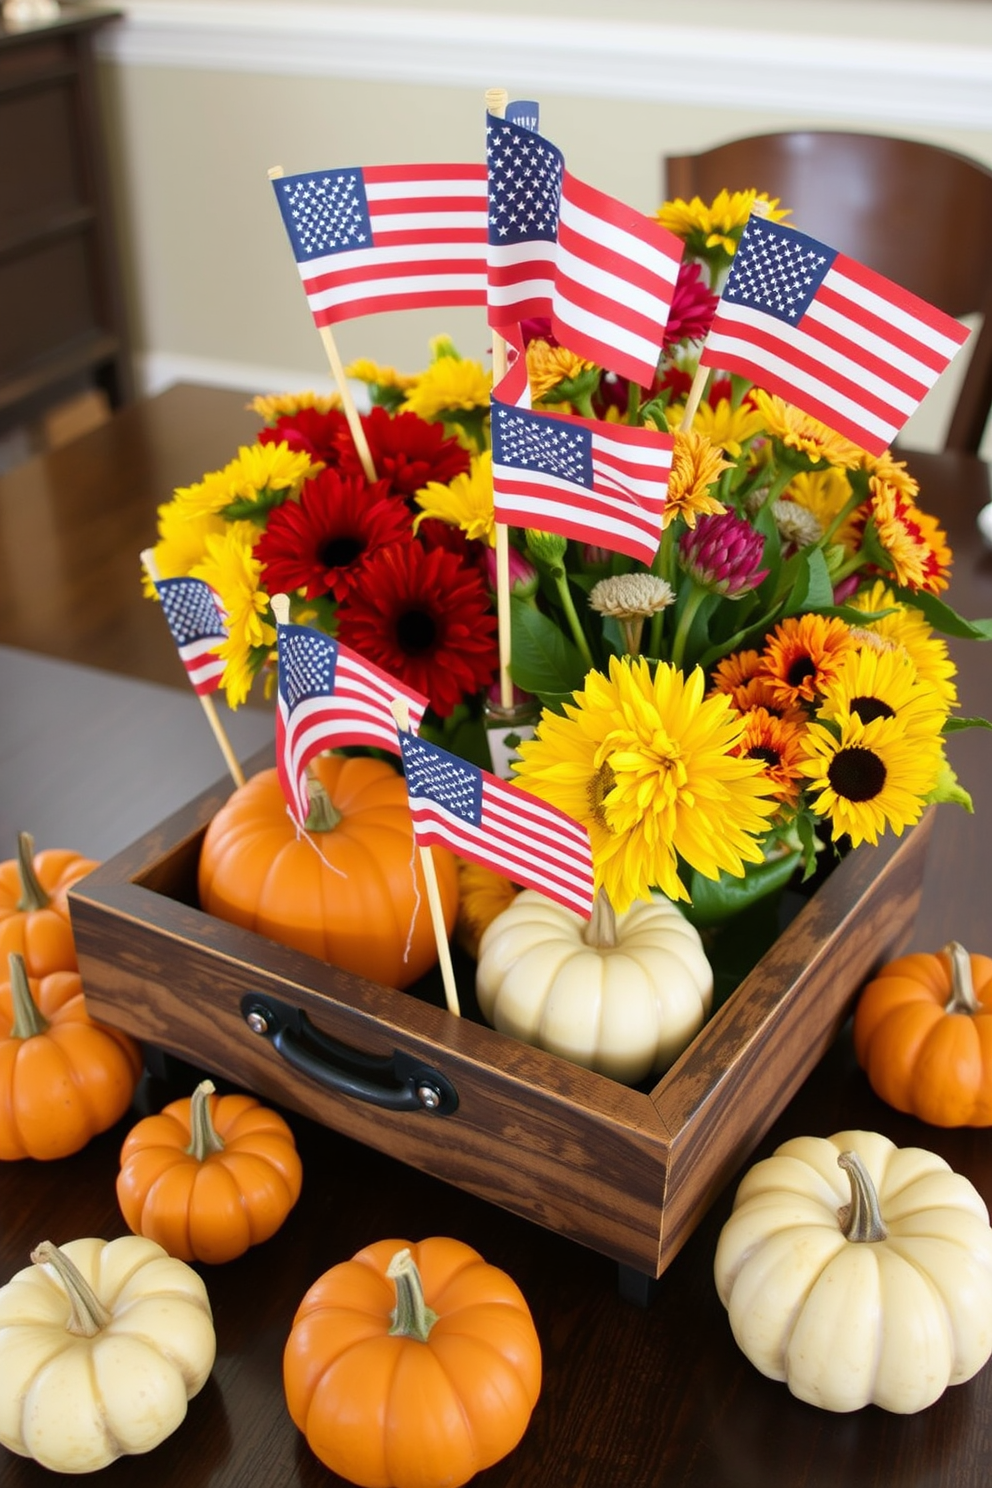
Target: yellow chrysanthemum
(272, 406)
(916, 545)
(892, 471)
(182, 541)
(646, 763)
(800, 431)
(367, 371)
(696, 465)
(447, 387)
(727, 427)
(909, 629)
(266, 467)
(872, 777)
(205, 497)
(720, 223)
(466, 502)
(482, 895)
(230, 568)
(548, 365)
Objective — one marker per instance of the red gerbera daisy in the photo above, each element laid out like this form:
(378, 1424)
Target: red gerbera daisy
(424, 617)
(406, 451)
(693, 305)
(317, 434)
(322, 543)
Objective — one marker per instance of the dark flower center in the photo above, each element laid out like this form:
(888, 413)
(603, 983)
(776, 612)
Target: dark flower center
(598, 789)
(856, 774)
(766, 754)
(340, 550)
(868, 708)
(800, 670)
(416, 632)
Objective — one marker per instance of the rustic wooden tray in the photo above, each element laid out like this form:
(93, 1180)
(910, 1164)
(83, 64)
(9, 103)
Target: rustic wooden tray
(628, 1172)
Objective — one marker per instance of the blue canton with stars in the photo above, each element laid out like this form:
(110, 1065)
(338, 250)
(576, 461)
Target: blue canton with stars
(307, 664)
(525, 173)
(777, 270)
(325, 212)
(443, 778)
(527, 441)
(190, 609)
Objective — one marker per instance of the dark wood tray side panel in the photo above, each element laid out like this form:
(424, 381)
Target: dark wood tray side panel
(574, 1152)
(745, 1066)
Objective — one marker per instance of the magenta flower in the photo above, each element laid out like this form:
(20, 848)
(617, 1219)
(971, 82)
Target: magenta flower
(523, 574)
(693, 306)
(722, 554)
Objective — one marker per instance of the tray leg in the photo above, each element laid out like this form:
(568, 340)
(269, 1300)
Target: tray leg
(636, 1286)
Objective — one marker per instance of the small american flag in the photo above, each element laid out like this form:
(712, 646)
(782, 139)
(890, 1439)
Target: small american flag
(595, 482)
(461, 807)
(329, 696)
(387, 237)
(198, 626)
(603, 273)
(833, 337)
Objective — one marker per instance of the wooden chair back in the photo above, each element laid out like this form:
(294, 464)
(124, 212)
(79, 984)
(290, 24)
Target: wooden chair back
(917, 213)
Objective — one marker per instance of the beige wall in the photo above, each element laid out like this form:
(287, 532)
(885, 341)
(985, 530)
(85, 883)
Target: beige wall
(212, 288)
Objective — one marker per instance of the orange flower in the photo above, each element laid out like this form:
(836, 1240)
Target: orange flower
(777, 743)
(696, 465)
(800, 431)
(802, 654)
(915, 544)
(549, 365)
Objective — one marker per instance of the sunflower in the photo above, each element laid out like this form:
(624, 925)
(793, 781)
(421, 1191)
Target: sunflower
(802, 654)
(647, 764)
(803, 433)
(879, 681)
(867, 777)
(406, 452)
(322, 542)
(696, 465)
(777, 744)
(908, 628)
(231, 569)
(914, 543)
(426, 618)
(466, 502)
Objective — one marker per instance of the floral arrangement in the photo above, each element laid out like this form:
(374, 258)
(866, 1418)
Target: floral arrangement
(775, 681)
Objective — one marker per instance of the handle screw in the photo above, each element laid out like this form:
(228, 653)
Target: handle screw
(257, 1022)
(429, 1096)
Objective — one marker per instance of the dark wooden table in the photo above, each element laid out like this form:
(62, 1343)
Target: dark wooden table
(631, 1396)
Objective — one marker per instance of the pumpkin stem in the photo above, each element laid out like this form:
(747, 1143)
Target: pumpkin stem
(602, 927)
(323, 815)
(412, 1318)
(33, 896)
(861, 1219)
(87, 1314)
(204, 1137)
(29, 1020)
(962, 999)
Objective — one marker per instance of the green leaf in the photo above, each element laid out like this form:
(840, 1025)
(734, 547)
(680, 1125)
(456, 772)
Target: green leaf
(954, 724)
(716, 900)
(944, 619)
(542, 659)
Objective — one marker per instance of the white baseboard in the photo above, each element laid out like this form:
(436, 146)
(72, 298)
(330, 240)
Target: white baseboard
(902, 83)
(156, 371)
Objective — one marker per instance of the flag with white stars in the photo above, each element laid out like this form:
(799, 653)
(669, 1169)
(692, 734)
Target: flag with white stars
(387, 237)
(601, 272)
(828, 334)
(329, 696)
(490, 821)
(198, 627)
(595, 482)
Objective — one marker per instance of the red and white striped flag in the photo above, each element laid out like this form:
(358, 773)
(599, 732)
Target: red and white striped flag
(329, 696)
(459, 806)
(603, 273)
(387, 237)
(595, 482)
(198, 627)
(833, 337)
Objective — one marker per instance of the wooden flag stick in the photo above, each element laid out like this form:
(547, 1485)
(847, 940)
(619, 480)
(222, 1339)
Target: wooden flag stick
(206, 700)
(496, 100)
(693, 400)
(401, 713)
(343, 386)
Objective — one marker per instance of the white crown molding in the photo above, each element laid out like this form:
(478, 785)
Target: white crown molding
(899, 82)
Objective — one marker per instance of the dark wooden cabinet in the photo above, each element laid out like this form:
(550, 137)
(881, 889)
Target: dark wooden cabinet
(62, 326)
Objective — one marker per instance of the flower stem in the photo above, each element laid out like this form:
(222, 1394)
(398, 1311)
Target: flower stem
(696, 597)
(565, 600)
(412, 1318)
(663, 568)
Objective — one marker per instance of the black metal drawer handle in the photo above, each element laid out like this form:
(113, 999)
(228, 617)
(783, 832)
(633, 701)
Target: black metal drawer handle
(398, 1082)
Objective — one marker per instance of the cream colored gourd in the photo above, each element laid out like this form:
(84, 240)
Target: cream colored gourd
(621, 994)
(98, 1359)
(858, 1272)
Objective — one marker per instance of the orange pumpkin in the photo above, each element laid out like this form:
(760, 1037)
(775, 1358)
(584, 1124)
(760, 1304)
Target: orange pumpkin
(34, 915)
(63, 1077)
(412, 1365)
(351, 892)
(923, 1035)
(209, 1176)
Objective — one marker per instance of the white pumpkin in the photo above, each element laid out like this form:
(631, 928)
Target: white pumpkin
(621, 994)
(101, 1345)
(858, 1272)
